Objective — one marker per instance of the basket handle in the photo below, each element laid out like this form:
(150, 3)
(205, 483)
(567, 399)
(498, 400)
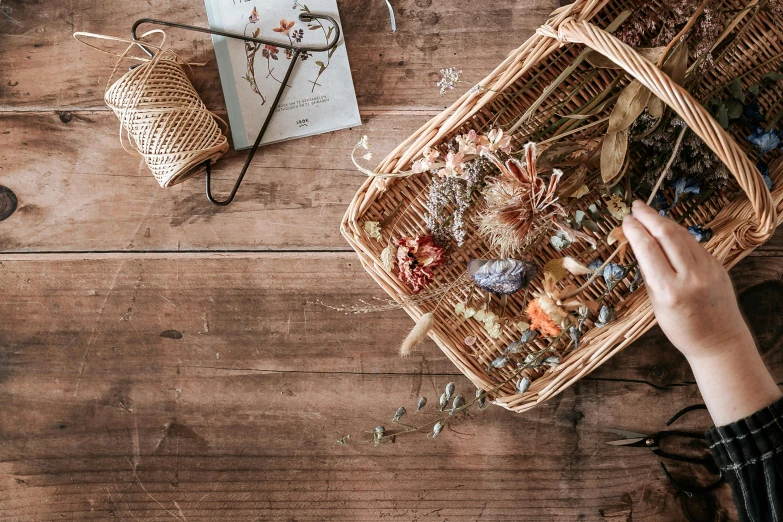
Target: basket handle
(695, 116)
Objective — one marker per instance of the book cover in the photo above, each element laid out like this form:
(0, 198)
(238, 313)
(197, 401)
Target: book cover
(319, 96)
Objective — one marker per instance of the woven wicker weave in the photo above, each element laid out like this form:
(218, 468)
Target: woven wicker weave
(742, 215)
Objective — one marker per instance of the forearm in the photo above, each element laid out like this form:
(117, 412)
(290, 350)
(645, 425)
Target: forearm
(734, 381)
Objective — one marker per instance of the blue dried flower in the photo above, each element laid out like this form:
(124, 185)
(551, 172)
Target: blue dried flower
(595, 264)
(683, 186)
(659, 201)
(700, 234)
(613, 274)
(636, 282)
(765, 141)
(605, 316)
(764, 169)
(501, 276)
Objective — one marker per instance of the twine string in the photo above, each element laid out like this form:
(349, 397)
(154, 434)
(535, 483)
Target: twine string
(161, 115)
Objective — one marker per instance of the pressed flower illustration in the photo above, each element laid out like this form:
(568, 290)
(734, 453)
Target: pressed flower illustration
(272, 53)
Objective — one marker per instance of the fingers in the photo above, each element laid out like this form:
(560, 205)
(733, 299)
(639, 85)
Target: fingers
(676, 243)
(652, 260)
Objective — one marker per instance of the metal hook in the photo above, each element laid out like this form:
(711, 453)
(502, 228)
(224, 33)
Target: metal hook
(296, 51)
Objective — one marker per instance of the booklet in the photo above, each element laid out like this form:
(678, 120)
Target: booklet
(319, 96)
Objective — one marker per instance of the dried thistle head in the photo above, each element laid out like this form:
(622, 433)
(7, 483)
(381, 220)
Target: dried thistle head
(520, 206)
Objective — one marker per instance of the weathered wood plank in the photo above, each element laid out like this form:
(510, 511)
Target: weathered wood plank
(260, 313)
(204, 445)
(78, 190)
(245, 406)
(389, 70)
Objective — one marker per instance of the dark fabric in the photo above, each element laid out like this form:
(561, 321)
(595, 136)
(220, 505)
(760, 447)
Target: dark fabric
(750, 453)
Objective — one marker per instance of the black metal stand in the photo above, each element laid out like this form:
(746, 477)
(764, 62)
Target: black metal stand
(296, 51)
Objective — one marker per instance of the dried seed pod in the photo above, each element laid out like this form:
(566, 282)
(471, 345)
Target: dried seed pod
(499, 362)
(501, 276)
(377, 434)
(422, 403)
(481, 402)
(605, 316)
(552, 360)
(513, 348)
(528, 336)
(437, 429)
(398, 414)
(637, 281)
(450, 390)
(457, 404)
(480, 393)
(444, 400)
(531, 361)
(523, 384)
(613, 274)
(575, 334)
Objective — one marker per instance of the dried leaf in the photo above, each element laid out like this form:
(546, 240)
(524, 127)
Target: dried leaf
(629, 106)
(651, 54)
(575, 267)
(675, 66)
(581, 191)
(418, 334)
(613, 156)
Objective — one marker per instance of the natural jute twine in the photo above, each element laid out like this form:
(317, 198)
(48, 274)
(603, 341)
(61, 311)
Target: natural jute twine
(161, 113)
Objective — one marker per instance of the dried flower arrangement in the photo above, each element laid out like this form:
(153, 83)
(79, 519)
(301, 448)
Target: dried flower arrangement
(501, 231)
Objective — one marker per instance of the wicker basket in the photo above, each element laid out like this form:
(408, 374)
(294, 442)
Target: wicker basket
(742, 215)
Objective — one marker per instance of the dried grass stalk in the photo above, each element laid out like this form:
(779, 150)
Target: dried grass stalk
(418, 334)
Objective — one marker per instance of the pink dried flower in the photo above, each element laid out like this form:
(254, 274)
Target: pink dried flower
(453, 165)
(497, 141)
(424, 163)
(416, 257)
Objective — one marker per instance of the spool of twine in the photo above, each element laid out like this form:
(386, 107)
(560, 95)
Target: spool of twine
(162, 115)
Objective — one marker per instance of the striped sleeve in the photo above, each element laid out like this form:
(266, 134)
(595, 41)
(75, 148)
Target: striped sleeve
(750, 453)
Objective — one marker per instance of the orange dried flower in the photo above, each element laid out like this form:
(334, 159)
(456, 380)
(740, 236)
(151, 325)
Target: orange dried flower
(545, 316)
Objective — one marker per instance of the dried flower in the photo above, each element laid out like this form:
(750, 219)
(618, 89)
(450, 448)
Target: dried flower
(457, 404)
(448, 79)
(498, 362)
(545, 315)
(437, 429)
(453, 165)
(451, 202)
(364, 142)
(605, 316)
(418, 334)
(552, 360)
(444, 400)
(694, 159)
(595, 264)
(560, 241)
(368, 156)
(373, 229)
(523, 384)
(613, 274)
(389, 256)
(764, 170)
(765, 141)
(416, 257)
(422, 403)
(520, 206)
(377, 434)
(450, 387)
(501, 276)
(531, 361)
(399, 414)
(699, 233)
(560, 268)
(496, 141)
(424, 163)
(471, 142)
(575, 334)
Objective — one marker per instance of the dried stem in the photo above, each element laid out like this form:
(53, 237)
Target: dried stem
(668, 165)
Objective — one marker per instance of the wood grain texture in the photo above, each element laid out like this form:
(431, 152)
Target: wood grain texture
(219, 381)
(390, 70)
(78, 190)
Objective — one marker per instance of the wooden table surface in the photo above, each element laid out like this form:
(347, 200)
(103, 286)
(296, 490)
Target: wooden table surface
(162, 358)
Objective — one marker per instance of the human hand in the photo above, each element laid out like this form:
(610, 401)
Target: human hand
(690, 291)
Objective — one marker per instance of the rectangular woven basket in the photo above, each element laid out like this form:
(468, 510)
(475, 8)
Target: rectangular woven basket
(742, 215)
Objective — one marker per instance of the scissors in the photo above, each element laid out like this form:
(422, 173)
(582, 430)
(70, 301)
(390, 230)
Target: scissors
(653, 442)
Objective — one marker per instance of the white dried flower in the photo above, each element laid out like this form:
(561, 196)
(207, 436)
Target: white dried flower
(448, 79)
